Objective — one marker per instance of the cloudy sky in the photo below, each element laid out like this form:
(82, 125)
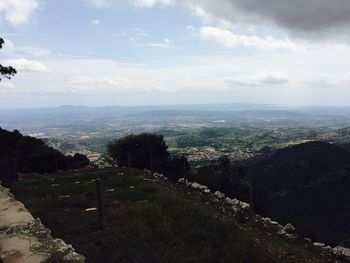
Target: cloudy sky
(143, 52)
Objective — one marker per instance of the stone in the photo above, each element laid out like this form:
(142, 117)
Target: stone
(245, 206)
(235, 209)
(342, 252)
(181, 180)
(319, 244)
(328, 249)
(308, 240)
(289, 227)
(219, 194)
(281, 232)
(26, 239)
(195, 185)
(90, 209)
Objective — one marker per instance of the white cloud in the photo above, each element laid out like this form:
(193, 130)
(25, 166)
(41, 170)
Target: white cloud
(98, 3)
(26, 65)
(251, 81)
(11, 49)
(151, 3)
(18, 12)
(97, 85)
(95, 22)
(232, 40)
(277, 77)
(167, 43)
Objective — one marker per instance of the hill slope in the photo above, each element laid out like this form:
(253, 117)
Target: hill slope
(307, 185)
(151, 220)
(33, 155)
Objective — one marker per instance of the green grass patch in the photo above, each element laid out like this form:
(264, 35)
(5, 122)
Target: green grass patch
(145, 221)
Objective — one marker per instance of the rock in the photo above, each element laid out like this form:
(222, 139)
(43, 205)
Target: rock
(328, 249)
(215, 200)
(266, 220)
(342, 252)
(308, 240)
(290, 236)
(196, 185)
(207, 191)
(203, 187)
(289, 227)
(245, 206)
(90, 209)
(27, 238)
(281, 232)
(231, 201)
(219, 194)
(319, 244)
(181, 181)
(235, 209)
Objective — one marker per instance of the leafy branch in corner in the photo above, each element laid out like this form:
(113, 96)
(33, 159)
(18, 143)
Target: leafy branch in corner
(6, 72)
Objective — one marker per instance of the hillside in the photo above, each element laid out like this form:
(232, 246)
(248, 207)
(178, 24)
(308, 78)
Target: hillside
(151, 220)
(307, 185)
(28, 154)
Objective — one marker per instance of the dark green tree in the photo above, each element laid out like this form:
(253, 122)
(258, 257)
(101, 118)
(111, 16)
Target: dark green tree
(225, 175)
(147, 151)
(33, 155)
(6, 72)
(143, 151)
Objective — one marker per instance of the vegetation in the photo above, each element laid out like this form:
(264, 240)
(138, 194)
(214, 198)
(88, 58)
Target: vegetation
(33, 155)
(6, 72)
(307, 185)
(147, 221)
(223, 176)
(147, 151)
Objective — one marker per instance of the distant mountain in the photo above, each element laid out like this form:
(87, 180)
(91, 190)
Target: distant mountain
(33, 155)
(308, 185)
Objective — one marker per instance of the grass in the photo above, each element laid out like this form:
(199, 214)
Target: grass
(146, 221)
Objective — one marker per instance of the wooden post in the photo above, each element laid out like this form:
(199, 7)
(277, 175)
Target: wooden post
(184, 170)
(151, 164)
(100, 206)
(129, 163)
(56, 162)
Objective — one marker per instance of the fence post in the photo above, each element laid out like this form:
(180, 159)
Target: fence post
(100, 206)
(151, 161)
(184, 170)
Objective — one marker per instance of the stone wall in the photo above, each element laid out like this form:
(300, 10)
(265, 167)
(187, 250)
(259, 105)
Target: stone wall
(24, 239)
(242, 210)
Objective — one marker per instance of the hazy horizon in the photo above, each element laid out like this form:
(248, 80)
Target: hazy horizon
(210, 106)
(161, 52)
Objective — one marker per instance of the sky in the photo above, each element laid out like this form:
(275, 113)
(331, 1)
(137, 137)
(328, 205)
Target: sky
(158, 52)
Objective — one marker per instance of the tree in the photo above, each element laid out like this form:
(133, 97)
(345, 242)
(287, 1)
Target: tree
(6, 72)
(147, 151)
(144, 151)
(33, 155)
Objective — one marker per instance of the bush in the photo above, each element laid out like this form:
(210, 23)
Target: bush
(147, 151)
